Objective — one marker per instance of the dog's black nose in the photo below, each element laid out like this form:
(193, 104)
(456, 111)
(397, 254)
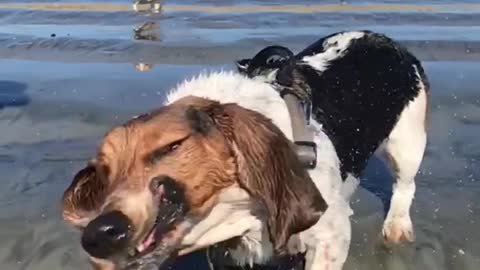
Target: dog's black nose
(106, 235)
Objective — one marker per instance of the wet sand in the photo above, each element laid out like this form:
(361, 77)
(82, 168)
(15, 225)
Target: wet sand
(70, 106)
(191, 37)
(112, 7)
(59, 95)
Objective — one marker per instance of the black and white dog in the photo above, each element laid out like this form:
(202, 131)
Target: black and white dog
(367, 93)
(359, 84)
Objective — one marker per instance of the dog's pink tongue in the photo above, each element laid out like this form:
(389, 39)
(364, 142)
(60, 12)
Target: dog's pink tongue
(148, 242)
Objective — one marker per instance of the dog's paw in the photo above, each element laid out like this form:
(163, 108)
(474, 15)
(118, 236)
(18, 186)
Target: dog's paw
(398, 230)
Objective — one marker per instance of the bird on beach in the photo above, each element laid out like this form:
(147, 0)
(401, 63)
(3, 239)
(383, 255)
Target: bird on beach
(146, 31)
(154, 6)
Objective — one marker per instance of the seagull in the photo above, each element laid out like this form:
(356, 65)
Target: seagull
(146, 31)
(154, 6)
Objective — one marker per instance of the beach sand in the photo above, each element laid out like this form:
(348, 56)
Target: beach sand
(58, 96)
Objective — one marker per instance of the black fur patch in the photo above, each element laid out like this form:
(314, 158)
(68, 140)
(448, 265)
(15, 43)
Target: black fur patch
(360, 96)
(200, 121)
(173, 205)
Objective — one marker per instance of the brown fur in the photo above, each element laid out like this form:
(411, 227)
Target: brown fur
(241, 145)
(84, 195)
(269, 169)
(426, 121)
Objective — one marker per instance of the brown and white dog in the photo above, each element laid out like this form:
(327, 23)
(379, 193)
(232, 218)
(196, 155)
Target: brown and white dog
(216, 162)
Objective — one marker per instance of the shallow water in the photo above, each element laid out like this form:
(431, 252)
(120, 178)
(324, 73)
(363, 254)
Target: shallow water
(59, 95)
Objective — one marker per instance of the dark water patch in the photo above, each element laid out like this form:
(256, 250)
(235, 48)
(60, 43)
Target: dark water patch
(12, 93)
(378, 179)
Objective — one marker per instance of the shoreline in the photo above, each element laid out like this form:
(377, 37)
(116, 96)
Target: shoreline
(107, 7)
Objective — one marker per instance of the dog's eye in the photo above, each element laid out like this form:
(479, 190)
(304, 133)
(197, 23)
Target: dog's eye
(165, 150)
(159, 153)
(172, 147)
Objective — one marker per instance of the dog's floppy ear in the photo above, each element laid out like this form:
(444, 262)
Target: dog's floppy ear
(269, 170)
(242, 65)
(83, 198)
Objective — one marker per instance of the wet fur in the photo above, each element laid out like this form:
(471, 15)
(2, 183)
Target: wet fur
(252, 199)
(264, 165)
(358, 93)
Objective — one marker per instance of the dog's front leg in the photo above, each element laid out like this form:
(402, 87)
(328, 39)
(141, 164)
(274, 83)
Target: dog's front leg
(328, 248)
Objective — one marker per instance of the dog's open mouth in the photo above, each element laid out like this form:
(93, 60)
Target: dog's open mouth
(157, 247)
(165, 233)
(166, 219)
(148, 244)
(161, 240)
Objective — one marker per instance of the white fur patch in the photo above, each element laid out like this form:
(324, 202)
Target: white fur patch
(225, 87)
(335, 47)
(406, 146)
(233, 216)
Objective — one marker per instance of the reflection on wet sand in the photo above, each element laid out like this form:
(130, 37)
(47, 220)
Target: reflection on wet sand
(146, 31)
(145, 36)
(143, 66)
(154, 6)
(342, 7)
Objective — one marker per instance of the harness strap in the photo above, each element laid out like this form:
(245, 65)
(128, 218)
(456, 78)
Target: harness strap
(302, 136)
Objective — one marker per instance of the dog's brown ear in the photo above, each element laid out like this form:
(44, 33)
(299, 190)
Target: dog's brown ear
(270, 171)
(83, 198)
